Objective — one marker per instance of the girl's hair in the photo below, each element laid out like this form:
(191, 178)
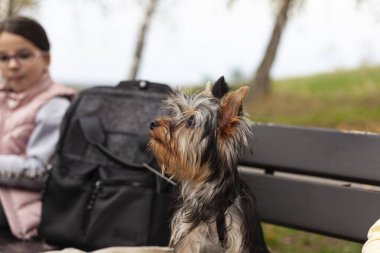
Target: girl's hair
(28, 29)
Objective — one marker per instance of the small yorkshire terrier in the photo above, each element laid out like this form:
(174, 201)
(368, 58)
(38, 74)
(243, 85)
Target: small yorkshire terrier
(199, 146)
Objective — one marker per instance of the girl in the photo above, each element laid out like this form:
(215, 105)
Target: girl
(31, 110)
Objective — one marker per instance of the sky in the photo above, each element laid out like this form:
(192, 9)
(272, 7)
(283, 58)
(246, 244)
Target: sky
(192, 41)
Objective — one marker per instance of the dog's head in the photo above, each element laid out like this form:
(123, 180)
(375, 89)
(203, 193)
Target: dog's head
(204, 135)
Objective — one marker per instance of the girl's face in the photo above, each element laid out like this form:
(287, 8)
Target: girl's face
(22, 64)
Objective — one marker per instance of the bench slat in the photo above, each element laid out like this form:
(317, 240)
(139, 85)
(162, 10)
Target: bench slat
(315, 151)
(338, 211)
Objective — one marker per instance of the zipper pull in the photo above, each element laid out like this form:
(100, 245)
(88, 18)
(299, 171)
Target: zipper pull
(97, 187)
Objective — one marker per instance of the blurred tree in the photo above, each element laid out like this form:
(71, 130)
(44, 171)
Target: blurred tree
(13, 7)
(149, 10)
(261, 80)
(148, 14)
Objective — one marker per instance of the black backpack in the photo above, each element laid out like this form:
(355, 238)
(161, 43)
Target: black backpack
(103, 188)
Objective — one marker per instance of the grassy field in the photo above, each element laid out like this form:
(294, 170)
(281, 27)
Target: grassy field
(348, 100)
(343, 100)
(286, 240)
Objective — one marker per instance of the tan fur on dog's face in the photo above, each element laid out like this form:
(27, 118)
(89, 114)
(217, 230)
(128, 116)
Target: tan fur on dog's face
(181, 142)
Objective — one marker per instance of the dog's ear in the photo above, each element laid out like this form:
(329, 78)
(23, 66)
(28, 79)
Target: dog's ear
(207, 90)
(231, 110)
(220, 88)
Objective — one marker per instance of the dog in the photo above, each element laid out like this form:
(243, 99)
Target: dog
(198, 145)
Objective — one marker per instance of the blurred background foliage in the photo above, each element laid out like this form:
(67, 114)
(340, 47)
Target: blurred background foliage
(346, 100)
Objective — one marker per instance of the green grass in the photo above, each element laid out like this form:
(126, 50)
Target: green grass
(286, 240)
(348, 100)
(342, 100)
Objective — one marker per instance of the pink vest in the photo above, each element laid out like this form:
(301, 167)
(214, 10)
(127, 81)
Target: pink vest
(17, 118)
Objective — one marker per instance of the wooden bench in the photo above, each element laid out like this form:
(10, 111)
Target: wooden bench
(318, 180)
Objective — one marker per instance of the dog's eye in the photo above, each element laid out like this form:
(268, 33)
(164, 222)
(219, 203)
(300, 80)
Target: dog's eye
(190, 122)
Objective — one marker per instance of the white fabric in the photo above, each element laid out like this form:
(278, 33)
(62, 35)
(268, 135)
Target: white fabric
(372, 245)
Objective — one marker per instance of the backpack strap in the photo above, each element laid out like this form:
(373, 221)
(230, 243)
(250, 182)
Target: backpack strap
(94, 135)
(92, 130)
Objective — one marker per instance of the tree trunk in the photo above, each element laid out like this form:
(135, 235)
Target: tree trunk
(260, 86)
(5, 6)
(14, 7)
(10, 8)
(141, 38)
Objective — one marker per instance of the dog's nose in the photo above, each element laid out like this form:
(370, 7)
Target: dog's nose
(153, 125)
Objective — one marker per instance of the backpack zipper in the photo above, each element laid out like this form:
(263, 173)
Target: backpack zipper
(91, 203)
(97, 187)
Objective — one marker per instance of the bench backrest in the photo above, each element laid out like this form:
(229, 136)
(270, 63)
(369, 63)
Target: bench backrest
(314, 179)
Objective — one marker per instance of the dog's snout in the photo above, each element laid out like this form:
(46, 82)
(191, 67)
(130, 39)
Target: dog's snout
(153, 125)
